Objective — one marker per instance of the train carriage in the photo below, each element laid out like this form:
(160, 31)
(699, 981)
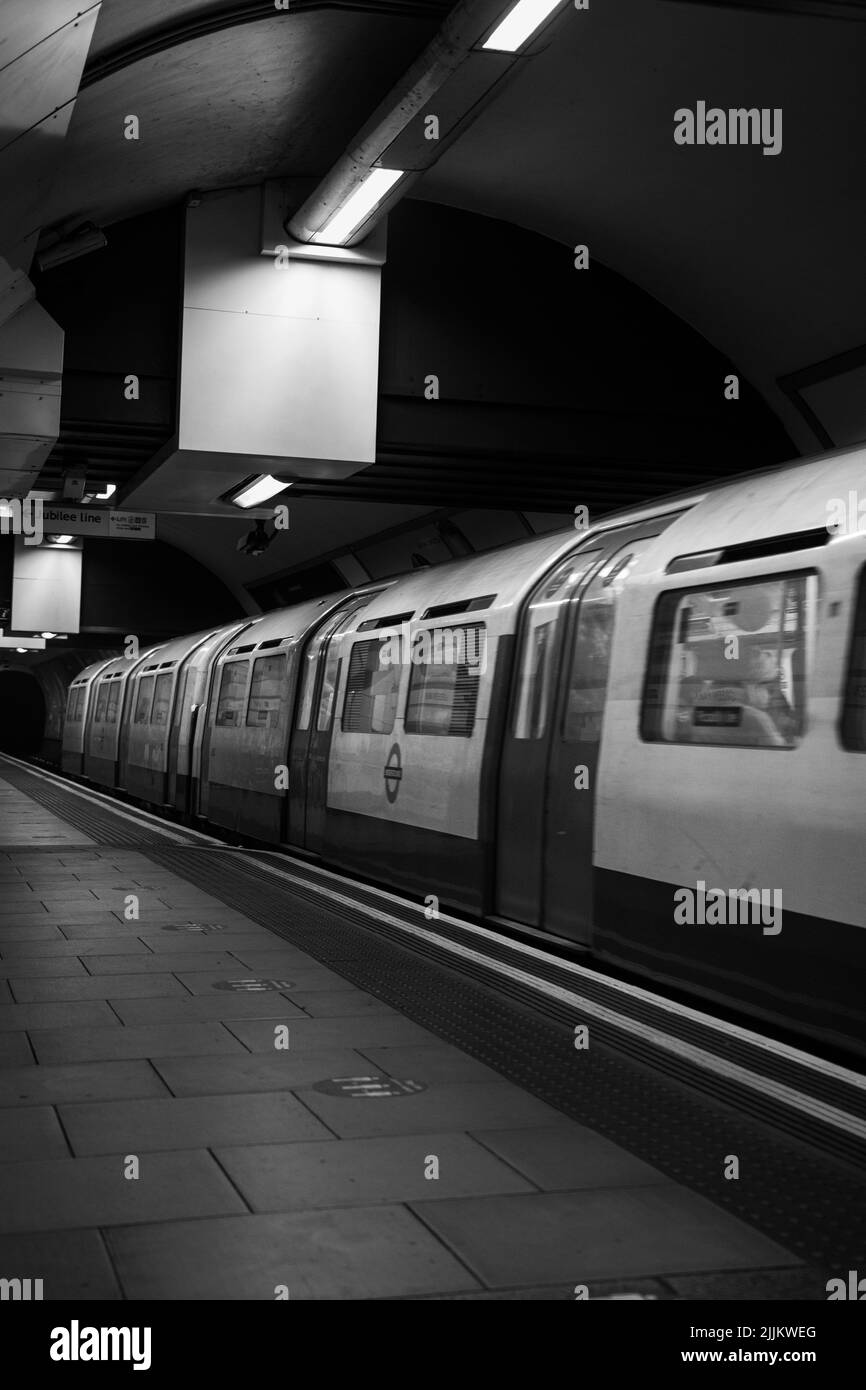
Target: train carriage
(77, 717)
(581, 735)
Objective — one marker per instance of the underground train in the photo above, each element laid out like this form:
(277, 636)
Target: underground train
(647, 737)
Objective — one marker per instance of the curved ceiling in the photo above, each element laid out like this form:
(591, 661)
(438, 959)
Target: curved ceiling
(762, 255)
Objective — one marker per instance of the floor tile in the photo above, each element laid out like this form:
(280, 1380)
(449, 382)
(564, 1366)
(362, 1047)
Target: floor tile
(30, 1133)
(104, 1044)
(442, 1063)
(578, 1236)
(143, 986)
(61, 1016)
(73, 1265)
(36, 931)
(341, 1003)
(56, 1194)
(318, 1034)
(285, 1071)
(365, 1253)
(568, 1156)
(86, 1081)
(40, 966)
(141, 1126)
(463, 1106)
(205, 981)
(15, 1050)
(116, 946)
(226, 967)
(270, 1008)
(360, 1172)
(175, 943)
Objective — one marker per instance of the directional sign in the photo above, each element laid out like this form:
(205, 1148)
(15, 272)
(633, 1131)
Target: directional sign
(97, 521)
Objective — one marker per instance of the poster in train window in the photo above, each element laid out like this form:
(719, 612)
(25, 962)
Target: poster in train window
(143, 698)
(370, 706)
(444, 682)
(267, 691)
(729, 663)
(161, 699)
(111, 709)
(101, 702)
(233, 688)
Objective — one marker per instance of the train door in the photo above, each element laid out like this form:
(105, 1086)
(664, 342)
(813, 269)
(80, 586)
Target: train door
(311, 736)
(550, 759)
(525, 754)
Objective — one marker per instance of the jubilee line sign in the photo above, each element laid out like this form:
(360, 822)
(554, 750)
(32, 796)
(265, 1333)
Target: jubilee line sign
(102, 522)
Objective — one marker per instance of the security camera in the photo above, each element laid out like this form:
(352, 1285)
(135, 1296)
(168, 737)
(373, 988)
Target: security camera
(255, 542)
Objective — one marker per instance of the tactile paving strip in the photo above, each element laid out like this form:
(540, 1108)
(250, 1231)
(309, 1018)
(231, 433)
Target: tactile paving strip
(805, 1201)
(596, 987)
(103, 826)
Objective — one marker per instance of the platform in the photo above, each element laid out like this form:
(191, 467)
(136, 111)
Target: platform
(194, 1108)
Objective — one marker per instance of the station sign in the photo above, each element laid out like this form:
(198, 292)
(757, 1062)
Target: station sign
(101, 522)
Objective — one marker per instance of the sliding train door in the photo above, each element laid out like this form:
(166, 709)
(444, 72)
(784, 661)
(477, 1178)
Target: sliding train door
(311, 735)
(550, 756)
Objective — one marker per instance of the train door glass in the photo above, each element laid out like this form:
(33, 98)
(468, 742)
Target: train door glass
(307, 741)
(321, 724)
(520, 836)
(573, 749)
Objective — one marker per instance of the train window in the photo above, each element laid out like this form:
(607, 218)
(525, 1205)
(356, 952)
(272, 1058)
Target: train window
(370, 706)
(444, 682)
(74, 704)
(311, 665)
(233, 686)
(101, 702)
(537, 659)
(113, 704)
(267, 691)
(331, 668)
(586, 686)
(143, 699)
(728, 663)
(161, 699)
(854, 711)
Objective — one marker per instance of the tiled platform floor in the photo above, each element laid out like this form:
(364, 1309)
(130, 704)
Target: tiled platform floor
(122, 1049)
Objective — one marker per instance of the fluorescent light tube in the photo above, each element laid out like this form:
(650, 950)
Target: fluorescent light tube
(358, 206)
(521, 21)
(259, 491)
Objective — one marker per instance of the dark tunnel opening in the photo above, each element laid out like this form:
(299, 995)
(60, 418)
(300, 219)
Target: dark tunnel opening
(22, 713)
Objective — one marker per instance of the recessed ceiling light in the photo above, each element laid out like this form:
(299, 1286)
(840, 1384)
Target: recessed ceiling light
(521, 21)
(48, 635)
(61, 540)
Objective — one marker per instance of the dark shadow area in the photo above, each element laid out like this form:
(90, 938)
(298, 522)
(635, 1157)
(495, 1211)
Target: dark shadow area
(22, 713)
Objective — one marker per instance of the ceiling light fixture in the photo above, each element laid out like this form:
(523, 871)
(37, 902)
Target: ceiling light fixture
(48, 635)
(521, 21)
(252, 492)
(81, 242)
(110, 490)
(61, 540)
(361, 202)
